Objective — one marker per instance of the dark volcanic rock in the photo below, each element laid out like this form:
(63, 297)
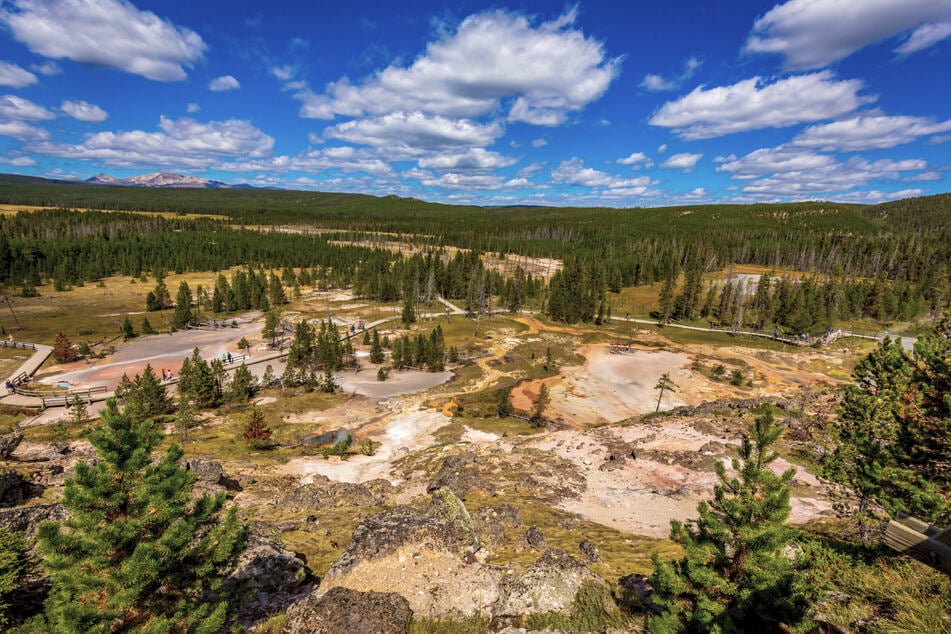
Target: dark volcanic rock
(637, 593)
(8, 444)
(589, 551)
(208, 471)
(26, 519)
(533, 539)
(346, 611)
(459, 475)
(14, 488)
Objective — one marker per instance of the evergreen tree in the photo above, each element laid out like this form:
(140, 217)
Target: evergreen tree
(268, 378)
(540, 403)
(243, 385)
(147, 397)
(665, 306)
(183, 315)
(197, 382)
(408, 316)
(13, 569)
(162, 298)
(505, 404)
(185, 420)
(63, 349)
(245, 345)
(376, 349)
(78, 413)
(147, 328)
(664, 384)
(275, 291)
(128, 331)
(256, 432)
(733, 576)
(138, 552)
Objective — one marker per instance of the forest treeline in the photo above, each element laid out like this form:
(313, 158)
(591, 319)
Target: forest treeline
(888, 262)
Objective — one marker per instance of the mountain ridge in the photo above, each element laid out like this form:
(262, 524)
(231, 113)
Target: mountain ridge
(162, 179)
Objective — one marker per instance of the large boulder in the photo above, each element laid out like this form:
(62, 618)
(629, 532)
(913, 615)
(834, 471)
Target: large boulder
(551, 585)
(490, 523)
(459, 474)
(322, 494)
(8, 443)
(26, 519)
(430, 557)
(266, 576)
(346, 611)
(14, 488)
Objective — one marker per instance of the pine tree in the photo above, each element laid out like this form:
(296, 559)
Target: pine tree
(540, 403)
(376, 349)
(408, 316)
(63, 350)
(183, 315)
(138, 552)
(162, 298)
(664, 384)
(243, 385)
(78, 413)
(185, 420)
(13, 568)
(128, 331)
(147, 328)
(505, 404)
(147, 398)
(733, 576)
(666, 302)
(256, 432)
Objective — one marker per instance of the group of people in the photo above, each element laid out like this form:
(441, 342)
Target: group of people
(166, 375)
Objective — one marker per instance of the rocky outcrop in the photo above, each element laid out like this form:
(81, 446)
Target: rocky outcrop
(325, 494)
(210, 477)
(432, 557)
(345, 611)
(533, 539)
(458, 474)
(14, 488)
(551, 585)
(589, 551)
(8, 443)
(266, 576)
(26, 519)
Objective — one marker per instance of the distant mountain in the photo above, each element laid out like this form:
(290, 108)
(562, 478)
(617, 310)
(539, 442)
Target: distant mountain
(163, 179)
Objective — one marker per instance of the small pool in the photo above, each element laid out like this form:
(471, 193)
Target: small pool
(65, 384)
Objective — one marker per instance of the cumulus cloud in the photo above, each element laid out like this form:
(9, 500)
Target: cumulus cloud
(83, 111)
(657, 83)
(815, 33)
(539, 142)
(225, 82)
(14, 76)
(178, 142)
(684, 161)
(548, 70)
(473, 159)
(636, 160)
(111, 33)
(771, 160)
(415, 130)
(751, 105)
(22, 131)
(13, 107)
(574, 172)
(47, 68)
(869, 132)
(192, 108)
(825, 175)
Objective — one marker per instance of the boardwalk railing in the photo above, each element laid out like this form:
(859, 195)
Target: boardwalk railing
(26, 345)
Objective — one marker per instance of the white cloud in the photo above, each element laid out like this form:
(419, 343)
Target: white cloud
(636, 160)
(656, 83)
(771, 160)
(869, 132)
(573, 172)
(23, 131)
(454, 180)
(549, 70)
(14, 76)
(192, 108)
(473, 159)
(832, 178)
(47, 68)
(225, 82)
(178, 143)
(815, 33)
(19, 161)
(83, 111)
(415, 130)
(662, 148)
(684, 161)
(13, 107)
(540, 142)
(924, 36)
(284, 73)
(752, 105)
(109, 33)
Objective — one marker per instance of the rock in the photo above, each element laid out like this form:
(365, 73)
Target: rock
(460, 480)
(637, 593)
(8, 443)
(551, 585)
(14, 488)
(26, 519)
(265, 567)
(488, 526)
(324, 494)
(346, 611)
(206, 471)
(589, 551)
(533, 539)
(432, 558)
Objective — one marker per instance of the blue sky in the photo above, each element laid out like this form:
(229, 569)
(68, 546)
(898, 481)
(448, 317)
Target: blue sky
(599, 103)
